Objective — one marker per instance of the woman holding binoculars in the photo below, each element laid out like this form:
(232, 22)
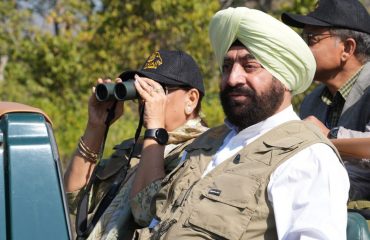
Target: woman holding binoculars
(170, 87)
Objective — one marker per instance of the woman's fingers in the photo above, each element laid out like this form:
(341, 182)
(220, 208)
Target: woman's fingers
(148, 88)
(142, 87)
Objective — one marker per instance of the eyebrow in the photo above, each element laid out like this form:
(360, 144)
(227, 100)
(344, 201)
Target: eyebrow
(247, 57)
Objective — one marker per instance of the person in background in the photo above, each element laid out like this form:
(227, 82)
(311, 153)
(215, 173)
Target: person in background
(264, 174)
(170, 85)
(338, 34)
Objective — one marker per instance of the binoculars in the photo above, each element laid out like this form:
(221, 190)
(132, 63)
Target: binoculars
(121, 91)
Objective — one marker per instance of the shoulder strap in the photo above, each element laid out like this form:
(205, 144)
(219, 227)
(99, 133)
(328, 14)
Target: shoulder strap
(119, 158)
(173, 157)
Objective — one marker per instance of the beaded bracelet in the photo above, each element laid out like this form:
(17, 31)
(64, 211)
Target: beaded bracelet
(86, 152)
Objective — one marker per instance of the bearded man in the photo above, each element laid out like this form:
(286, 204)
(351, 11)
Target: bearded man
(264, 174)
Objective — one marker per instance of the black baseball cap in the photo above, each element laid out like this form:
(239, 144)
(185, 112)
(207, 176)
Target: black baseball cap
(175, 68)
(347, 14)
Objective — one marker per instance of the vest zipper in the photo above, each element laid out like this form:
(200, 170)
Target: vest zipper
(171, 191)
(164, 228)
(186, 195)
(168, 224)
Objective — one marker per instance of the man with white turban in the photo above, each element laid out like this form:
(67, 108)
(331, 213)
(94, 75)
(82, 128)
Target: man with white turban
(264, 174)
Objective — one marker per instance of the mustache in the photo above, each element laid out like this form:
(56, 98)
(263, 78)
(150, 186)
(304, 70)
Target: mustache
(239, 90)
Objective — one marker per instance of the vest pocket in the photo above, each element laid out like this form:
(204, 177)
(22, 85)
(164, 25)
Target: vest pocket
(226, 207)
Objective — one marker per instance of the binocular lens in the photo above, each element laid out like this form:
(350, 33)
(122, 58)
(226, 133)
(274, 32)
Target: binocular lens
(116, 91)
(120, 91)
(125, 90)
(104, 92)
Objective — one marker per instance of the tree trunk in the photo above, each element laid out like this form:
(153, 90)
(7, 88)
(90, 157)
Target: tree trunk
(3, 62)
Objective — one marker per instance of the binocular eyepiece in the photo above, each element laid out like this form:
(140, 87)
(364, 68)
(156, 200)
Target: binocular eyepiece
(121, 91)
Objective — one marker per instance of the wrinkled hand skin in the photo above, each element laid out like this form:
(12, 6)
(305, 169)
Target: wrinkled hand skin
(152, 93)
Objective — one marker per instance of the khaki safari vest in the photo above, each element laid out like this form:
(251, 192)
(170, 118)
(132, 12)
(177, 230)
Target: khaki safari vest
(231, 201)
(109, 170)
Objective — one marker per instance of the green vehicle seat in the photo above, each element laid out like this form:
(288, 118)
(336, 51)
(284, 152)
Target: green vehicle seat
(32, 202)
(357, 228)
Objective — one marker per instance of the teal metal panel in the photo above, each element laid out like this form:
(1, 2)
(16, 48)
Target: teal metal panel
(35, 197)
(3, 229)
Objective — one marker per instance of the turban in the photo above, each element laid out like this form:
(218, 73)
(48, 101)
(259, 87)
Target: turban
(279, 49)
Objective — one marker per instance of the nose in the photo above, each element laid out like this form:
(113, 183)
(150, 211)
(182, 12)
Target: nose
(237, 76)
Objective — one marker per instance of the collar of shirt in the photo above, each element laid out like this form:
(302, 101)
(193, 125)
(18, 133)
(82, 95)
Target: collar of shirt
(248, 134)
(328, 98)
(235, 141)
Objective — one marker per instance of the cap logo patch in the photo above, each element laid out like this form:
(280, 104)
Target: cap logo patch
(154, 61)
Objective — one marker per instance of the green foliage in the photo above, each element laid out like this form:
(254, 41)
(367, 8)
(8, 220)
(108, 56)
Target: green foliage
(298, 6)
(54, 62)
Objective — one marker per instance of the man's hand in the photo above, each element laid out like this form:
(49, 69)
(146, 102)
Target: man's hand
(318, 123)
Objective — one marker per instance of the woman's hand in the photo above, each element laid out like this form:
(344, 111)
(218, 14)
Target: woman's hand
(98, 111)
(151, 166)
(152, 93)
(80, 168)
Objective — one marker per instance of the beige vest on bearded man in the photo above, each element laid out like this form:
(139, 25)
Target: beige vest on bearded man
(231, 201)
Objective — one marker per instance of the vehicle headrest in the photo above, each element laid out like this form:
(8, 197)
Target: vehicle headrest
(12, 107)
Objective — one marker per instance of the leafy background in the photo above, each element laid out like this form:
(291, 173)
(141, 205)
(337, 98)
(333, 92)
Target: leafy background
(52, 52)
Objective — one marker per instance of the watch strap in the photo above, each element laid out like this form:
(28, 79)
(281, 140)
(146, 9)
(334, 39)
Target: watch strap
(158, 134)
(333, 133)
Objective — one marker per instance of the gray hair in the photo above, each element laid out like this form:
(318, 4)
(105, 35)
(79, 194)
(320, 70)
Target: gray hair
(362, 51)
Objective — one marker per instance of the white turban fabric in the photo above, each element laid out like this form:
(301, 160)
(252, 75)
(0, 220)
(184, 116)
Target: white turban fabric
(279, 49)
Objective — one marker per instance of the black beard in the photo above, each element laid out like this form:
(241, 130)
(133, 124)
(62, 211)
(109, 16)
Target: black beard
(255, 108)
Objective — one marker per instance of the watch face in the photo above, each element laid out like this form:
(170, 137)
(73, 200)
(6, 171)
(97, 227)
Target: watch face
(334, 132)
(161, 135)
(158, 134)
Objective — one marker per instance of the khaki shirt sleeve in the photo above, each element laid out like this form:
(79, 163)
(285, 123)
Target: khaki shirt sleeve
(141, 203)
(96, 195)
(73, 198)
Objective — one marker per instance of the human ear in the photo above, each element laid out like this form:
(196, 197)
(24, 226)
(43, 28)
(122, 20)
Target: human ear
(191, 101)
(349, 49)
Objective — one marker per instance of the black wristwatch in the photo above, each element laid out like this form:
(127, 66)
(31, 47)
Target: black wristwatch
(158, 134)
(333, 133)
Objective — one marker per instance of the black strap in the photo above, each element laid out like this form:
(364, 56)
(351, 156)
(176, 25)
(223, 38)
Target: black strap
(83, 229)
